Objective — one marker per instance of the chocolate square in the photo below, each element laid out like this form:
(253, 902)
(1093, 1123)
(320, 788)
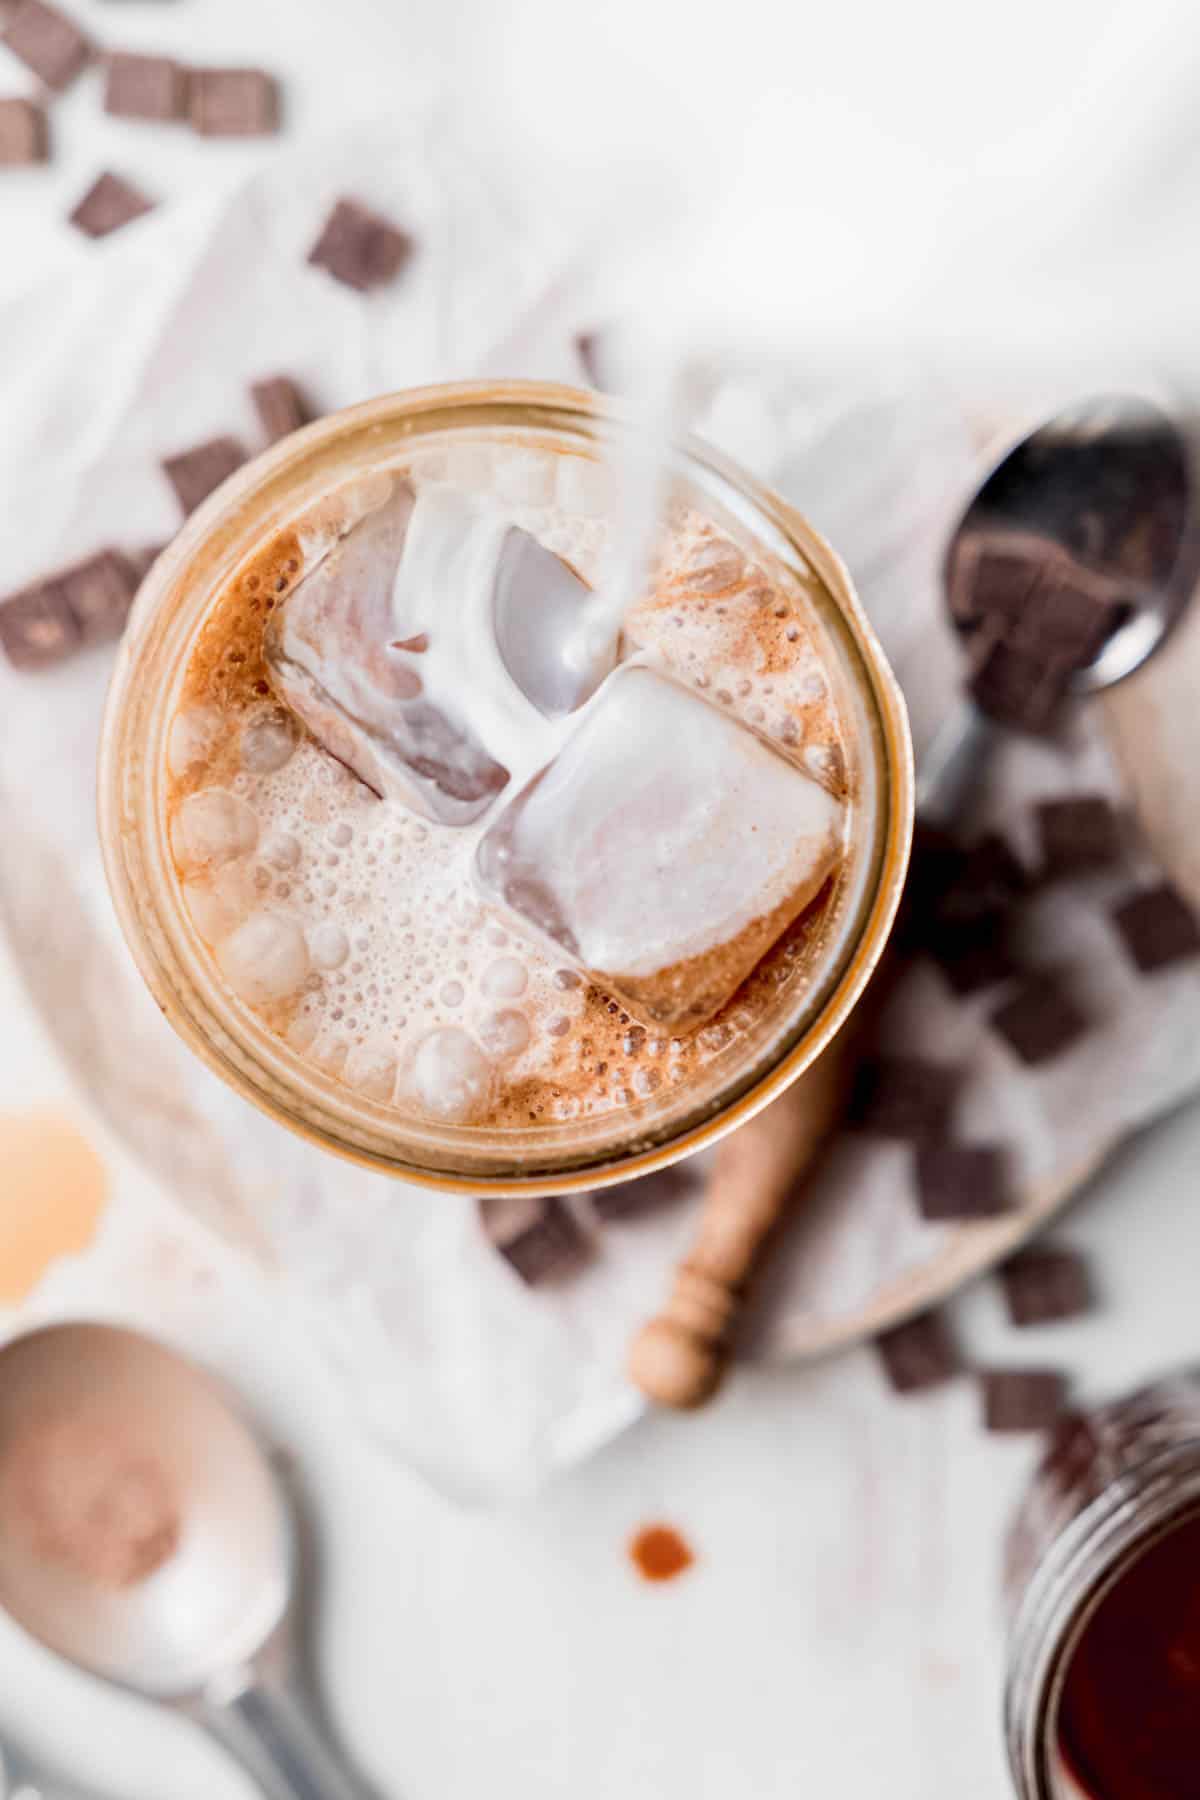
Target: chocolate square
(37, 627)
(933, 866)
(1040, 1020)
(233, 102)
(24, 137)
(108, 204)
(194, 474)
(47, 41)
(1018, 687)
(647, 1194)
(1046, 1284)
(538, 1237)
(988, 879)
(1158, 928)
(962, 1181)
(1021, 1399)
(919, 1354)
(994, 583)
(100, 592)
(360, 248)
(280, 407)
(1068, 617)
(145, 87)
(903, 1097)
(1077, 835)
(974, 955)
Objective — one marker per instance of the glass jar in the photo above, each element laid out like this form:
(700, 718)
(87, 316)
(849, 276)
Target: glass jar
(273, 492)
(1114, 1485)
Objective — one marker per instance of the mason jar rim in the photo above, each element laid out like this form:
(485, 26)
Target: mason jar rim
(190, 994)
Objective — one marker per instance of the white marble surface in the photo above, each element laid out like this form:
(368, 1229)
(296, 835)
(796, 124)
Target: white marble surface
(841, 1631)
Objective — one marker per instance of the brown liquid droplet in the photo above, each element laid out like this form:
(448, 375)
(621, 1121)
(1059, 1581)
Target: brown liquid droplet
(659, 1553)
(54, 1191)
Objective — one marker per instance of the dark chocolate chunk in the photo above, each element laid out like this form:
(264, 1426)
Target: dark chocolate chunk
(108, 204)
(992, 582)
(233, 102)
(145, 87)
(935, 861)
(24, 138)
(646, 1194)
(1021, 1399)
(47, 41)
(280, 407)
(903, 1097)
(194, 474)
(1019, 688)
(988, 878)
(962, 1181)
(37, 627)
(1068, 617)
(360, 248)
(1046, 1284)
(1158, 927)
(1077, 835)
(974, 955)
(100, 592)
(538, 1237)
(919, 1354)
(1040, 1020)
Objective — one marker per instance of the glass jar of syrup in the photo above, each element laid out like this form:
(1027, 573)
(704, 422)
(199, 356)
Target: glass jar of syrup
(1103, 1581)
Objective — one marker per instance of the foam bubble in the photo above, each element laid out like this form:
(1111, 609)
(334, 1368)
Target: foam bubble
(449, 1075)
(371, 1070)
(328, 945)
(505, 1034)
(213, 826)
(281, 850)
(265, 959)
(504, 979)
(268, 741)
(192, 739)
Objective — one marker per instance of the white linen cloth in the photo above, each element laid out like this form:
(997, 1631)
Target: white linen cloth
(484, 1386)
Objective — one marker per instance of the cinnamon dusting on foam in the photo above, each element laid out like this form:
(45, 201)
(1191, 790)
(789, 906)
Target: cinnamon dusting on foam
(396, 940)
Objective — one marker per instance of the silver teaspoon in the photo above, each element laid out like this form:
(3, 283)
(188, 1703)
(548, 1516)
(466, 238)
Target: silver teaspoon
(1111, 485)
(210, 1630)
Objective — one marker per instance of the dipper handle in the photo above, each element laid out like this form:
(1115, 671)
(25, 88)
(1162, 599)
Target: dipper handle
(679, 1357)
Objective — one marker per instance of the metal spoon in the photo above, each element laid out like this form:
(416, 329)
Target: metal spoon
(211, 1631)
(1112, 483)
(23, 1777)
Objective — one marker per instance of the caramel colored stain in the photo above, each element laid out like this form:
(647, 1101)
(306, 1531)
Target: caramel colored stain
(659, 1553)
(53, 1189)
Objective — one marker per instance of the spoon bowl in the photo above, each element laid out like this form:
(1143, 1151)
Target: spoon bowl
(1104, 494)
(1109, 482)
(113, 1445)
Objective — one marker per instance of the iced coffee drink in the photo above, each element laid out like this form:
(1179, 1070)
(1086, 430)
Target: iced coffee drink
(479, 859)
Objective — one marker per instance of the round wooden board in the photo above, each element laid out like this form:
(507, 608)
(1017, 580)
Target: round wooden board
(1151, 723)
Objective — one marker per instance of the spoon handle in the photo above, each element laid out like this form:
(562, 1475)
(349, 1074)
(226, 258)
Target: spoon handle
(268, 1728)
(24, 1779)
(952, 764)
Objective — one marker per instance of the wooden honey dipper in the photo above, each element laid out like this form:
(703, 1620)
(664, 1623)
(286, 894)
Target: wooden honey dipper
(679, 1357)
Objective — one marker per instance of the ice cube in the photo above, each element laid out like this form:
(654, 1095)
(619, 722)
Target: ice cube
(431, 648)
(537, 613)
(334, 657)
(666, 848)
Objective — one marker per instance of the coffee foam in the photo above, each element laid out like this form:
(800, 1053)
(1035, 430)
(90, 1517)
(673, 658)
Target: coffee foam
(354, 929)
